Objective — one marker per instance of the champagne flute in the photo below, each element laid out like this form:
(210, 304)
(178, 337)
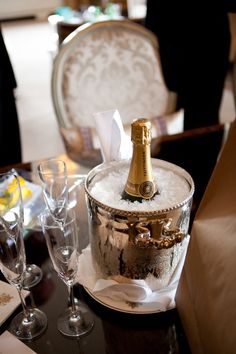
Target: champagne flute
(54, 180)
(63, 250)
(12, 187)
(31, 322)
(53, 176)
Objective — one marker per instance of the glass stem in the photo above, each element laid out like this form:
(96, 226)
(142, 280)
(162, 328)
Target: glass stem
(72, 300)
(23, 303)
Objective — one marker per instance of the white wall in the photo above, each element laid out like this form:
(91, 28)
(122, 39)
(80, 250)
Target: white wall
(136, 8)
(23, 8)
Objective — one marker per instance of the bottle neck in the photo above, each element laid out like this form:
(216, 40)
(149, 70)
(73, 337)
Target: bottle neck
(140, 180)
(140, 167)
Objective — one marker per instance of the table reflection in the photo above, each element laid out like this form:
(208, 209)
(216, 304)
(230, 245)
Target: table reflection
(114, 332)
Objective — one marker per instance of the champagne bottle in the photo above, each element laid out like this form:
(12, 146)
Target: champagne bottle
(140, 183)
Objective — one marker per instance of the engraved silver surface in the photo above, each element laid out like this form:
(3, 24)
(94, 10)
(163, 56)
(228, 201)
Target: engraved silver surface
(138, 243)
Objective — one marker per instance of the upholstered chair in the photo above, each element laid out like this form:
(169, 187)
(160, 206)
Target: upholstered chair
(104, 66)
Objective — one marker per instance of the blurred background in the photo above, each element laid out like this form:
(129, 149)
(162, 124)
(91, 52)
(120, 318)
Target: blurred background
(33, 31)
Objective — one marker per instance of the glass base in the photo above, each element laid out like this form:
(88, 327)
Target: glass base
(32, 276)
(27, 330)
(78, 324)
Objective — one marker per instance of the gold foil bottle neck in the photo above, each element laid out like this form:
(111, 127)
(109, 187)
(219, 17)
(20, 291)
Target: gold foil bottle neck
(140, 184)
(141, 131)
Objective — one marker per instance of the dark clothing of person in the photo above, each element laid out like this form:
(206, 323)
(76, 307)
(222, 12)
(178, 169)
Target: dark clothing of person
(194, 43)
(10, 144)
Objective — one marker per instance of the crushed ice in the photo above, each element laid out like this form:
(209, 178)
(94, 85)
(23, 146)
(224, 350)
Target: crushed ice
(108, 188)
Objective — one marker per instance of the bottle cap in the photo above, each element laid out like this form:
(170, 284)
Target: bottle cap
(141, 131)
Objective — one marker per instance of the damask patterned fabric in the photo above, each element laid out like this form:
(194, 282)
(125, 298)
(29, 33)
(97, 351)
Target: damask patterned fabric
(111, 67)
(105, 66)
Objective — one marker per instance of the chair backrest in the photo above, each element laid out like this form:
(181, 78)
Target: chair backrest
(109, 65)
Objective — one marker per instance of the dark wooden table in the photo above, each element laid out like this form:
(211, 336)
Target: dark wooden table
(113, 333)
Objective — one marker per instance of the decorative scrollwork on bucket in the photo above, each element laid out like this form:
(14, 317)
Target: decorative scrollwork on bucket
(168, 238)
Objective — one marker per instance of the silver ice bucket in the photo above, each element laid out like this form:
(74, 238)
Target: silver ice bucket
(134, 243)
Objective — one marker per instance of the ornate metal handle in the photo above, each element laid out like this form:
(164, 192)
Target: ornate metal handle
(169, 236)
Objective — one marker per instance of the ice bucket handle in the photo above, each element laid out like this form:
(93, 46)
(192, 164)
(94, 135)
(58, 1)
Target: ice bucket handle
(169, 236)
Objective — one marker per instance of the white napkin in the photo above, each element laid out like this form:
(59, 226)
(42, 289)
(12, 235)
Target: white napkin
(9, 300)
(9, 344)
(119, 288)
(115, 143)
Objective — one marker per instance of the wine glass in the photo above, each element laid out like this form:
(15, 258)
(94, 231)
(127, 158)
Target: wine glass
(63, 250)
(33, 275)
(13, 192)
(53, 176)
(58, 192)
(31, 322)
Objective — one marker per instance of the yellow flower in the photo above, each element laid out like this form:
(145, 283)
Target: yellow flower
(12, 194)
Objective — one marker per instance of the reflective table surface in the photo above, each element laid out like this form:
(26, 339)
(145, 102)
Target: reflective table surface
(114, 332)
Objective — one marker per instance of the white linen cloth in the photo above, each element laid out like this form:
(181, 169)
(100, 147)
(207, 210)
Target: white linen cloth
(129, 290)
(9, 344)
(9, 300)
(115, 143)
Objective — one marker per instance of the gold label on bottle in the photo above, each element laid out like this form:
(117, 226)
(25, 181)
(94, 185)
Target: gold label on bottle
(145, 190)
